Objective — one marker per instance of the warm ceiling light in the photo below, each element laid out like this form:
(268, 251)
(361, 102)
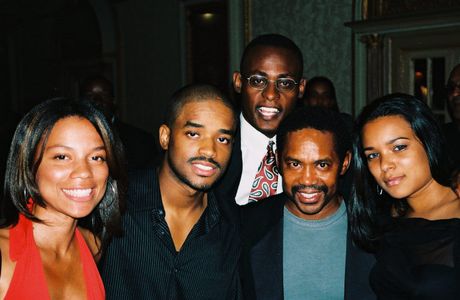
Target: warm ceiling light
(207, 16)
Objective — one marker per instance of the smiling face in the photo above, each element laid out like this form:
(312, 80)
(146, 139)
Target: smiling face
(395, 156)
(72, 175)
(311, 168)
(265, 109)
(199, 143)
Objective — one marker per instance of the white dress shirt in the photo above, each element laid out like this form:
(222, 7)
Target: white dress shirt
(253, 149)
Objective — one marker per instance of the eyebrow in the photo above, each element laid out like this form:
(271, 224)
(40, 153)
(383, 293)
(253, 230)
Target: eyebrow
(324, 160)
(284, 75)
(196, 125)
(102, 147)
(389, 142)
(289, 158)
(193, 124)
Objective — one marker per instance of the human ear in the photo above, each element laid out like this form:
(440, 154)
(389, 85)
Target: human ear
(346, 163)
(164, 134)
(237, 82)
(302, 84)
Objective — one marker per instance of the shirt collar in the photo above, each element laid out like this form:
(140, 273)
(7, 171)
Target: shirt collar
(250, 135)
(211, 214)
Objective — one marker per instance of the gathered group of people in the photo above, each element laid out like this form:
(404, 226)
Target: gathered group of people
(283, 198)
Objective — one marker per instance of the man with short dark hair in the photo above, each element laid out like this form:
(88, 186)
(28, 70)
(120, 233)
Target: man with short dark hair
(179, 241)
(296, 244)
(270, 83)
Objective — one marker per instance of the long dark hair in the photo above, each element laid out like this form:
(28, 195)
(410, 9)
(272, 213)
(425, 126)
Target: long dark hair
(366, 205)
(26, 154)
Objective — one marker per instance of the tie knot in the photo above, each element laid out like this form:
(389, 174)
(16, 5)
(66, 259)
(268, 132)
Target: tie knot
(270, 146)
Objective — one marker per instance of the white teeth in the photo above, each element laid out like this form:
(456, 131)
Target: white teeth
(309, 195)
(269, 110)
(78, 192)
(203, 167)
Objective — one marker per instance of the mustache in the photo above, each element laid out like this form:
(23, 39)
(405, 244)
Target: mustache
(318, 187)
(206, 159)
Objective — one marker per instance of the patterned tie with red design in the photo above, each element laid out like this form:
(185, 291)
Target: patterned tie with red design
(266, 181)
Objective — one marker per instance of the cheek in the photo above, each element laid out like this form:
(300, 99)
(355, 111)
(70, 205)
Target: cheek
(289, 177)
(48, 175)
(328, 178)
(289, 103)
(101, 172)
(224, 153)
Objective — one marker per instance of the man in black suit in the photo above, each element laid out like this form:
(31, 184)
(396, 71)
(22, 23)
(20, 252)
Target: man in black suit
(270, 83)
(179, 241)
(296, 244)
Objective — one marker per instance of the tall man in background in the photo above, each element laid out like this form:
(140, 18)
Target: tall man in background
(270, 83)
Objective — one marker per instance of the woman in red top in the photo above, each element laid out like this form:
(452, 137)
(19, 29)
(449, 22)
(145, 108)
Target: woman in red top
(62, 189)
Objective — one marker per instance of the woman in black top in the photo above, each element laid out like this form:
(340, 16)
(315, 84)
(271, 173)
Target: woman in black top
(402, 205)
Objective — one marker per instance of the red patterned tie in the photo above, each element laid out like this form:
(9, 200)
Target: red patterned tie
(266, 181)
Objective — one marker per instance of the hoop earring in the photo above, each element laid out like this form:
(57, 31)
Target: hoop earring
(379, 190)
(112, 187)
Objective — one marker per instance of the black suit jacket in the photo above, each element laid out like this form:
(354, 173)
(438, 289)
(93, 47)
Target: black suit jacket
(262, 260)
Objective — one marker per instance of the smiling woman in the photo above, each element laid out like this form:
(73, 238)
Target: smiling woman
(63, 182)
(402, 204)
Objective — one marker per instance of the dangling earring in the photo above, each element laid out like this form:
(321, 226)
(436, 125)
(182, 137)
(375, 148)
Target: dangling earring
(379, 190)
(112, 187)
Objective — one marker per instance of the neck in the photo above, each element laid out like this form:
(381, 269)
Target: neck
(430, 202)
(177, 195)
(56, 233)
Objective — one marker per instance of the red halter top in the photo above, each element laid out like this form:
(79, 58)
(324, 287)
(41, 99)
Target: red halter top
(29, 281)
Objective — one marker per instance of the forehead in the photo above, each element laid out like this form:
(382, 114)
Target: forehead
(267, 59)
(67, 126)
(320, 86)
(206, 112)
(386, 128)
(309, 143)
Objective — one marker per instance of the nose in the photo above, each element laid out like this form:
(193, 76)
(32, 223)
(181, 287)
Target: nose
(271, 91)
(82, 169)
(309, 176)
(208, 148)
(386, 162)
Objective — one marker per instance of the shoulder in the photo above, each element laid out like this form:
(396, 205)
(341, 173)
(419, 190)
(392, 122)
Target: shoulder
(257, 218)
(143, 186)
(270, 207)
(93, 242)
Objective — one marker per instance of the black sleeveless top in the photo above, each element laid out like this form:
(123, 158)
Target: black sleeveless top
(418, 259)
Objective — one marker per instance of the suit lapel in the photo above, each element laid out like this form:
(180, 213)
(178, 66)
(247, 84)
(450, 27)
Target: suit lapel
(267, 264)
(357, 268)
